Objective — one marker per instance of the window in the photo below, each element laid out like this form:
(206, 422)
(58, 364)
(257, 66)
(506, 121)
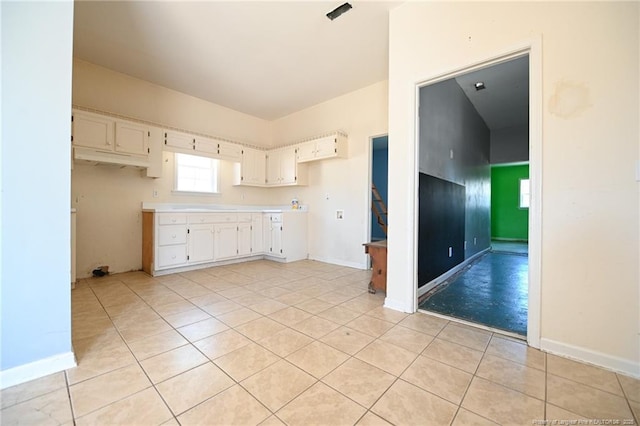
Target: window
(196, 174)
(525, 193)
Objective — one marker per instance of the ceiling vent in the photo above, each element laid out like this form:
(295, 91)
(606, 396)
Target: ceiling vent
(338, 11)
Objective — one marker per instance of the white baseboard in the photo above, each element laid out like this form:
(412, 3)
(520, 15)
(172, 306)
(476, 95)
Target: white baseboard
(35, 370)
(397, 305)
(339, 262)
(610, 362)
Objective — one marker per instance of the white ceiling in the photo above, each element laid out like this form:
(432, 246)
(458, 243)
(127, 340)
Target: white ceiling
(505, 100)
(266, 59)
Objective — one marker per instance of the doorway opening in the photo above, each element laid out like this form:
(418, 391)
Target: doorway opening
(379, 185)
(473, 196)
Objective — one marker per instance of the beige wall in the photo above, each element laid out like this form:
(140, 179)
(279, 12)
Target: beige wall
(108, 198)
(339, 184)
(590, 143)
(99, 88)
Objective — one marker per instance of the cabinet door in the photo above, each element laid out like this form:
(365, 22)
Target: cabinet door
(171, 256)
(132, 138)
(182, 141)
(229, 151)
(244, 239)
(326, 148)
(201, 243)
(257, 233)
(276, 239)
(266, 233)
(206, 146)
(92, 130)
(288, 163)
(252, 167)
(226, 241)
(273, 168)
(306, 151)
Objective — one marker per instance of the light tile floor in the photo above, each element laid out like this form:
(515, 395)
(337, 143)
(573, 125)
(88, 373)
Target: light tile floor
(301, 344)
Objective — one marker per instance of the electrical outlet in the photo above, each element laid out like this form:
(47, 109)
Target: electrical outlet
(339, 214)
(155, 193)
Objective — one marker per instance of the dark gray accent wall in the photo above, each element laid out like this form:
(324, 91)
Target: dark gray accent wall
(510, 145)
(451, 127)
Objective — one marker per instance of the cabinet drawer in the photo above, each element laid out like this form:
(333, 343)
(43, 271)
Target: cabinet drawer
(171, 256)
(275, 217)
(171, 219)
(225, 217)
(172, 234)
(195, 219)
(244, 217)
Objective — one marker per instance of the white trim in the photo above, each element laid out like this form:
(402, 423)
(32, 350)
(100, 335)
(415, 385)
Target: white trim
(398, 305)
(444, 277)
(339, 262)
(474, 324)
(628, 367)
(35, 370)
(535, 206)
(533, 48)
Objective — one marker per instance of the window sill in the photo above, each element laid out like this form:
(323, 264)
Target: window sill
(195, 194)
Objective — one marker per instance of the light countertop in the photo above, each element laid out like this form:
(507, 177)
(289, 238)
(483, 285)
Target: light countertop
(215, 208)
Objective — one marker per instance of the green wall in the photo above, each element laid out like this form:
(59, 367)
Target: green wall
(508, 221)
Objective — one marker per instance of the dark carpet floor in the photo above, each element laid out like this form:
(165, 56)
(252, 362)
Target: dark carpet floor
(492, 291)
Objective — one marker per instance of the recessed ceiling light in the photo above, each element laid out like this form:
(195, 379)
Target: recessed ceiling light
(338, 11)
(479, 85)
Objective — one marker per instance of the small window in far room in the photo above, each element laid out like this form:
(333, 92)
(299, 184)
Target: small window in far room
(196, 174)
(525, 193)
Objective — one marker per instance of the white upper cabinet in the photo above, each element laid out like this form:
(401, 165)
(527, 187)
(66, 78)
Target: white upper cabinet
(218, 149)
(110, 134)
(333, 146)
(93, 130)
(201, 145)
(100, 138)
(178, 141)
(229, 151)
(250, 171)
(206, 146)
(132, 138)
(283, 168)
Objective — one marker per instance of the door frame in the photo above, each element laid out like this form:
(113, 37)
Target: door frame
(532, 48)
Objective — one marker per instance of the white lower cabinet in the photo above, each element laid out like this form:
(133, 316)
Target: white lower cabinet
(191, 240)
(245, 239)
(225, 244)
(201, 243)
(257, 233)
(285, 236)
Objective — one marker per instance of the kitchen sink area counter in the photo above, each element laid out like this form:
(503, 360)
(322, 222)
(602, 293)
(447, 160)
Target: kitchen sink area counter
(181, 237)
